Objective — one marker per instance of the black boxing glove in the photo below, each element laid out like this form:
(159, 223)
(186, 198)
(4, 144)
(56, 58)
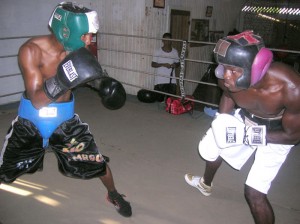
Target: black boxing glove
(78, 67)
(112, 93)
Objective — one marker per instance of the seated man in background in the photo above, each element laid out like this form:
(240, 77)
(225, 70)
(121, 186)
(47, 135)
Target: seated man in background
(165, 60)
(52, 66)
(267, 121)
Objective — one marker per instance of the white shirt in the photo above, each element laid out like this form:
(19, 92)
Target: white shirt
(161, 56)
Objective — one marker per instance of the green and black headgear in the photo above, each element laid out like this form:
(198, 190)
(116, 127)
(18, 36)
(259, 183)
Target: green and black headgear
(69, 22)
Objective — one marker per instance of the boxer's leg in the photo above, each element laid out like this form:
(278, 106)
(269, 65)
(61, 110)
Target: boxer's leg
(76, 150)
(22, 151)
(79, 157)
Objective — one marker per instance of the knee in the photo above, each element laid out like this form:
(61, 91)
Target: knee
(254, 197)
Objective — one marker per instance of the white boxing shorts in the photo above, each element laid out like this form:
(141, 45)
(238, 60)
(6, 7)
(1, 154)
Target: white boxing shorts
(268, 159)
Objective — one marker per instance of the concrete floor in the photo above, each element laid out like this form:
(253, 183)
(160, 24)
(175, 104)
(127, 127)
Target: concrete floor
(150, 151)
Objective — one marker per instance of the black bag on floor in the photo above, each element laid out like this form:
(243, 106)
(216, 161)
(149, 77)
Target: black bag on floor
(146, 96)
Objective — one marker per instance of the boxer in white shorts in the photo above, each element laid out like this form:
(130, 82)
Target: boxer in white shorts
(263, 170)
(267, 121)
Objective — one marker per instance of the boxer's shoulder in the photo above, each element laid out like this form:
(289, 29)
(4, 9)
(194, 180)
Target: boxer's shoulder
(37, 44)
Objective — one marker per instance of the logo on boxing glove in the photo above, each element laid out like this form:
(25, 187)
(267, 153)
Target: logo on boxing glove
(70, 71)
(258, 135)
(231, 134)
(237, 133)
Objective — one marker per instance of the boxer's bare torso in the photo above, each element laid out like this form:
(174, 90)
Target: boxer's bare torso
(38, 60)
(276, 94)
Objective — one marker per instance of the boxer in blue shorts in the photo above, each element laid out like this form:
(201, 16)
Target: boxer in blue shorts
(266, 121)
(52, 66)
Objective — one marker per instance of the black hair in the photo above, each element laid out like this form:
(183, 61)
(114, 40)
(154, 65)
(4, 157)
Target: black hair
(167, 35)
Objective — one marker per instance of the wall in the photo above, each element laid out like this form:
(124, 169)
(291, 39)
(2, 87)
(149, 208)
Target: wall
(144, 20)
(126, 56)
(19, 20)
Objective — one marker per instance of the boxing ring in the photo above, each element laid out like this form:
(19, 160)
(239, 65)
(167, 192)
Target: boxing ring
(11, 81)
(147, 72)
(139, 74)
(153, 200)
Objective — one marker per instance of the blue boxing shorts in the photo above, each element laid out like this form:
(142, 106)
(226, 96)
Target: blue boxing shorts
(69, 138)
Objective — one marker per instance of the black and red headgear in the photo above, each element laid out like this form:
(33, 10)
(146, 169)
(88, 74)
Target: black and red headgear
(247, 51)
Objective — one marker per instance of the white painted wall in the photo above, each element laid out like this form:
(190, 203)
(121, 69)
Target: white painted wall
(138, 17)
(22, 18)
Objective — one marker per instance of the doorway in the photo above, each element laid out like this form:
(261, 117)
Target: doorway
(179, 28)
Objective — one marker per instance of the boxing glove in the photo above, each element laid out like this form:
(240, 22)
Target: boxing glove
(112, 93)
(229, 131)
(77, 68)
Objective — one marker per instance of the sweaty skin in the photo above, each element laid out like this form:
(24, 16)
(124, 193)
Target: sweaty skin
(38, 61)
(276, 94)
(31, 132)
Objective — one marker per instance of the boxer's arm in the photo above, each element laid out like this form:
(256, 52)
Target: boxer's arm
(226, 104)
(29, 59)
(290, 132)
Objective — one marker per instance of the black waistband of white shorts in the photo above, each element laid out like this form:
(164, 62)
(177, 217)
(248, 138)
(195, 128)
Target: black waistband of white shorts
(271, 123)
